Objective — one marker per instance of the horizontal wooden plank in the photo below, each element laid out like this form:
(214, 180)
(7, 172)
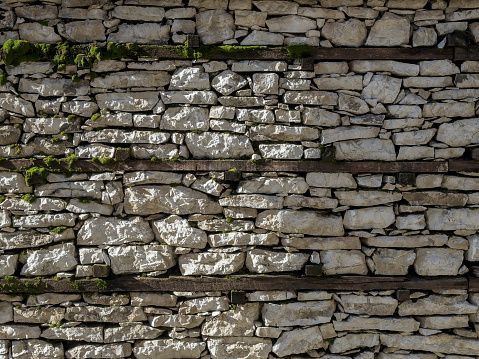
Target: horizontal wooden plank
(240, 165)
(140, 284)
(405, 54)
(474, 284)
(463, 165)
(466, 53)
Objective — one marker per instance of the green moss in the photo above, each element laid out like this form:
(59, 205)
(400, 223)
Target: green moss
(75, 78)
(61, 67)
(29, 198)
(12, 50)
(82, 61)
(55, 140)
(71, 160)
(230, 49)
(93, 75)
(101, 284)
(84, 200)
(117, 51)
(43, 22)
(71, 117)
(3, 80)
(34, 172)
(298, 51)
(154, 159)
(3, 198)
(95, 52)
(10, 278)
(63, 54)
(229, 220)
(58, 230)
(95, 116)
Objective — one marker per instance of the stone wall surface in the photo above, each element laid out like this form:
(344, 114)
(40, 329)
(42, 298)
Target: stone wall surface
(61, 220)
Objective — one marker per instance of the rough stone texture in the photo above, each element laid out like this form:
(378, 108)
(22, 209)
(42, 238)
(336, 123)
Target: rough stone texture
(452, 219)
(343, 262)
(211, 263)
(299, 313)
(298, 341)
(49, 261)
(145, 258)
(438, 261)
(169, 348)
(237, 322)
(176, 231)
(215, 146)
(305, 222)
(365, 218)
(239, 347)
(261, 261)
(353, 341)
(355, 323)
(393, 262)
(103, 230)
(368, 149)
(390, 30)
(369, 305)
(214, 26)
(349, 33)
(146, 33)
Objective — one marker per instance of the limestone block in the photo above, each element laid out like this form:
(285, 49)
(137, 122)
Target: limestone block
(452, 219)
(54, 259)
(218, 145)
(343, 262)
(438, 261)
(35, 32)
(353, 341)
(228, 82)
(356, 323)
(272, 185)
(368, 305)
(214, 26)
(373, 149)
(459, 133)
(15, 104)
(185, 119)
(382, 88)
(242, 239)
(290, 24)
(393, 262)
(139, 259)
(210, 263)
(396, 68)
(239, 347)
(298, 313)
(128, 79)
(390, 30)
(262, 261)
(83, 31)
(169, 348)
(238, 322)
(366, 218)
(143, 33)
(128, 101)
(352, 33)
(176, 231)
(298, 341)
(138, 13)
(36, 349)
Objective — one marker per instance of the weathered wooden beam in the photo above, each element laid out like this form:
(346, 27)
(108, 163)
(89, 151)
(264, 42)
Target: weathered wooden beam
(405, 54)
(140, 284)
(240, 165)
(463, 165)
(466, 53)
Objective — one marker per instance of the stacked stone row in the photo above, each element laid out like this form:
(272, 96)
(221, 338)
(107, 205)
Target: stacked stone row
(155, 223)
(364, 110)
(324, 23)
(271, 324)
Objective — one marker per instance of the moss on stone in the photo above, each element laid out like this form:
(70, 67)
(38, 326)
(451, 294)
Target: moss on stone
(95, 116)
(3, 80)
(58, 230)
(29, 198)
(33, 172)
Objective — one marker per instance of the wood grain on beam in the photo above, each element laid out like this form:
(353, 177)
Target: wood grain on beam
(240, 165)
(140, 284)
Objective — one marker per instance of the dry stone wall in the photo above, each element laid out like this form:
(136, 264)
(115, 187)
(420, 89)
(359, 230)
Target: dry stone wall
(157, 170)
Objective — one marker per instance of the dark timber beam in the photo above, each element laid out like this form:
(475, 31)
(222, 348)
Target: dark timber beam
(243, 165)
(141, 284)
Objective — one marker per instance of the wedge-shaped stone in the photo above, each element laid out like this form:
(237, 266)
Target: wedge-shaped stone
(210, 263)
(353, 341)
(459, 133)
(313, 116)
(437, 305)
(438, 68)
(252, 201)
(228, 82)
(272, 185)
(242, 239)
(169, 348)
(310, 202)
(131, 332)
(452, 219)
(8, 264)
(204, 305)
(115, 231)
(298, 313)
(24, 239)
(366, 198)
(54, 259)
(262, 261)
(239, 347)
(218, 145)
(438, 261)
(139, 259)
(369, 305)
(343, 262)
(176, 321)
(305, 222)
(145, 33)
(441, 343)
(176, 231)
(383, 88)
(128, 101)
(394, 67)
(15, 104)
(259, 66)
(390, 30)
(367, 218)
(113, 314)
(373, 149)
(185, 118)
(41, 316)
(121, 350)
(331, 180)
(413, 138)
(36, 349)
(435, 240)
(145, 200)
(387, 324)
(320, 243)
(54, 87)
(444, 322)
(132, 79)
(16, 332)
(348, 133)
(452, 109)
(91, 189)
(298, 341)
(436, 199)
(290, 24)
(340, 83)
(87, 334)
(311, 98)
(392, 261)
(150, 177)
(238, 322)
(283, 133)
(214, 26)
(138, 13)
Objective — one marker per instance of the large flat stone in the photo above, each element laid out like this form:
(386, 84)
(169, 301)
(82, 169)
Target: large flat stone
(54, 259)
(355, 323)
(298, 313)
(343, 262)
(169, 348)
(139, 259)
(218, 145)
(305, 222)
(210, 263)
(238, 322)
(145, 33)
(459, 133)
(263, 261)
(367, 218)
(298, 341)
(452, 219)
(373, 149)
(369, 305)
(239, 347)
(441, 343)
